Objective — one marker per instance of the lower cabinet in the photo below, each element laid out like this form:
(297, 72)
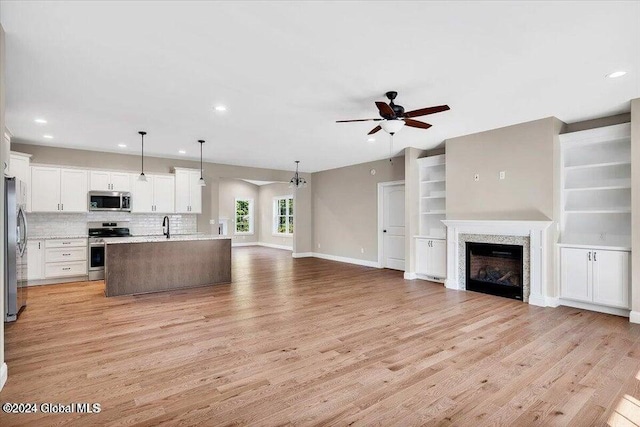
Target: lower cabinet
(595, 276)
(56, 258)
(431, 258)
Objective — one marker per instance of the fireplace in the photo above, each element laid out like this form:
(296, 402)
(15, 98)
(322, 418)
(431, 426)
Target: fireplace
(495, 269)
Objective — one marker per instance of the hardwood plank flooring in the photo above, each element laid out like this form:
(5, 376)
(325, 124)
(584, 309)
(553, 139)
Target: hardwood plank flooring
(315, 342)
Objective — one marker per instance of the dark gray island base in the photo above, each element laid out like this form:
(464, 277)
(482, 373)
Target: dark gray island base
(154, 265)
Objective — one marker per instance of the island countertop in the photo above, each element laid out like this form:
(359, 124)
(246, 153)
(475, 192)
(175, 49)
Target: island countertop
(144, 264)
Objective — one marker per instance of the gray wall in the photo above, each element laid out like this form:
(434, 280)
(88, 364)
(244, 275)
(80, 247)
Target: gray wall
(597, 123)
(213, 172)
(267, 193)
(524, 151)
(229, 190)
(345, 208)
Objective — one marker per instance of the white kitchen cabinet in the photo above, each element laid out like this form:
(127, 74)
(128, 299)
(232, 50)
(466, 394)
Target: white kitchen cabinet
(58, 190)
(20, 167)
(154, 195)
(45, 189)
(431, 258)
(35, 259)
(595, 276)
(73, 190)
(109, 181)
(188, 192)
(64, 258)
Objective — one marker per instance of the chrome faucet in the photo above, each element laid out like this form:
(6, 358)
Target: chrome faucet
(165, 223)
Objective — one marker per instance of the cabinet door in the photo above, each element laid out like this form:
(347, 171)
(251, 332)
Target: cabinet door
(99, 181)
(164, 194)
(422, 254)
(120, 181)
(35, 261)
(195, 192)
(437, 259)
(142, 195)
(73, 190)
(45, 189)
(576, 274)
(19, 166)
(182, 196)
(611, 278)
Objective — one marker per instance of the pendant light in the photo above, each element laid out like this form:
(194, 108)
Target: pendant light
(201, 182)
(142, 177)
(297, 181)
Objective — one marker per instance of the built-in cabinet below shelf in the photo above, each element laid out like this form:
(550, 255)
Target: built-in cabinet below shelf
(431, 258)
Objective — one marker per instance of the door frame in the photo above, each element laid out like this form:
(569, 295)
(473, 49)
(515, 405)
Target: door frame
(381, 187)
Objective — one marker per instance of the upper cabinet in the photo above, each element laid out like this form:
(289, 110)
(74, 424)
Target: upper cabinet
(188, 192)
(19, 167)
(156, 195)
(58, 190)
(109, 181)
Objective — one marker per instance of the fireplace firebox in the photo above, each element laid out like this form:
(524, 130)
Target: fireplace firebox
(495, 269)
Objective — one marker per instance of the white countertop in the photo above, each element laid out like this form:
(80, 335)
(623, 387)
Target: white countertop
(160, 238)
(48, 237)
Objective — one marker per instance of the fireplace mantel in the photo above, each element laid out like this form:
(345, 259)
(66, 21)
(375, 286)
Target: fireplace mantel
(539, 249)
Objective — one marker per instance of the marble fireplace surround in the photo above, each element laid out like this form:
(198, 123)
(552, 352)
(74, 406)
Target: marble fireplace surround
(532, 235)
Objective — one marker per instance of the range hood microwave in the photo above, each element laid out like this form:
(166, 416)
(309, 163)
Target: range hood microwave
(109, 201)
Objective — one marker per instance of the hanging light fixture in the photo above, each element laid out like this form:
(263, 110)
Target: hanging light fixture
(201, 182)
(297, 181)
(142, 177)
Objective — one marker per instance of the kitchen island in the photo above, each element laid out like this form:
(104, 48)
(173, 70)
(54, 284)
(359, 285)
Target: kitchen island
(138, 265)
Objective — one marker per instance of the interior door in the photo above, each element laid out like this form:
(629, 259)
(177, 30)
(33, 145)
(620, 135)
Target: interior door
(393, 227)
(73, 190)
(99, 181)
(164, 194)
(120, 181)
(45, 189)
(576, 274)
(611, 278)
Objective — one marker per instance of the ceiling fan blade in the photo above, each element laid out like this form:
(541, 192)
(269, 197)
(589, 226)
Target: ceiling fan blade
(426, 111)
(416, 124)
(385, 110)
(358, 120)
(374, 130)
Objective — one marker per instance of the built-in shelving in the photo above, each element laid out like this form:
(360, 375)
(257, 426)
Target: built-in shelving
(596, 187)
(432, 196)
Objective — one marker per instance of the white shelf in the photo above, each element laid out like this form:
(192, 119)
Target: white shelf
(432, 197)
(595, 245)
(432, 203)
(431, 181)
(602, 188)
(599, 211)
(434, 213)
(597, 165)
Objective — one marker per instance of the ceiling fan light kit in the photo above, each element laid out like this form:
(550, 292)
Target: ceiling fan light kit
(392, 126)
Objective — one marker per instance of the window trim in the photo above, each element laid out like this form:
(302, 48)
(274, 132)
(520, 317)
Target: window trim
(251, 217)
(274, 220)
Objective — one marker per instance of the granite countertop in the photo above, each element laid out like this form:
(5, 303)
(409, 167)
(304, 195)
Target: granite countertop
(48, 237)
(161, 238)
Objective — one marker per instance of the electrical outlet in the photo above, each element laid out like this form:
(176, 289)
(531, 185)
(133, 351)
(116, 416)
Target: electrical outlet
(318, 245)
(603, 236)
(212, 222)
(503, 174)
(361, 250)
(476, 177)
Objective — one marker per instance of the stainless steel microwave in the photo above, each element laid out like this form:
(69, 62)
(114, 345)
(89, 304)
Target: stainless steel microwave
(109, 201)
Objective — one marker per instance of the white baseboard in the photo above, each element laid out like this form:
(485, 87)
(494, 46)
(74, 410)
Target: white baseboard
(410, 276)
(4, 374)
(346, 260)
(266, 245)
(58, 281)
(634, 317)
(302, 254)
(430, 278)
(552, 301)
(600, 308)
(537, 300)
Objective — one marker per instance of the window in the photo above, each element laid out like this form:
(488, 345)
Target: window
(283, 215)
(244, 216)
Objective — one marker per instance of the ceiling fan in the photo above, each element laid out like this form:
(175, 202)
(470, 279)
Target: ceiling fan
(394, 117)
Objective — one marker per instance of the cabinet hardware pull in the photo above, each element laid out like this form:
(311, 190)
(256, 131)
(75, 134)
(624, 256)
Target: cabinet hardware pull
(66, 254)
(38, 245)
(594, 256)
(67, 268)
(58, 206)
(66, 243)
(589, 256)
(62, 204)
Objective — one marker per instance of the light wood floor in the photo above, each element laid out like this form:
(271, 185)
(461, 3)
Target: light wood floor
(313, 342)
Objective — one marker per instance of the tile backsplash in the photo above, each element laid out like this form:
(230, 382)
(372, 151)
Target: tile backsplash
(72, 224)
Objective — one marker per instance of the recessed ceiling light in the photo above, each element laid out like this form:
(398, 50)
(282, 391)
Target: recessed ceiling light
(182, 152)
(47, 136)
(616, 74)
(220, 108)
(122, 145)
(40, 121)
(371, 140)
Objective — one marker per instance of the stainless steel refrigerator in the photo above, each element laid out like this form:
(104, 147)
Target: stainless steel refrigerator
(15, 248)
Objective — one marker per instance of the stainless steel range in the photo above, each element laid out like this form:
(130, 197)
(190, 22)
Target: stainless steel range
(99, 232)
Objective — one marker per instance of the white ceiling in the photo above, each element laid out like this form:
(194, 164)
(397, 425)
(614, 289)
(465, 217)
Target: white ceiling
(99, 72)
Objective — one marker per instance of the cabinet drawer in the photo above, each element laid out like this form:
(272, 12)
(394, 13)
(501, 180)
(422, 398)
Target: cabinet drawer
(66, 254)
(65, 243)
(63, 269)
